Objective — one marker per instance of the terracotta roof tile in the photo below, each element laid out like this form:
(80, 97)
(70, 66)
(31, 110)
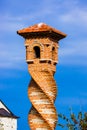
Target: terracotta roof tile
(41, 27)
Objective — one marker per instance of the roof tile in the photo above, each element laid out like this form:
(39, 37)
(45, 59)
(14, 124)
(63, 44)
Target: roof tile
(41, 27)
(4, 113)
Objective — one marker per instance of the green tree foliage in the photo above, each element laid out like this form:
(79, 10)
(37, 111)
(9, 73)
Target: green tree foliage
(74, 122)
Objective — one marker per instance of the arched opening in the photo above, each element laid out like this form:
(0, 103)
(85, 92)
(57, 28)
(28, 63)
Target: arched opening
(37, 52)
(53, 53)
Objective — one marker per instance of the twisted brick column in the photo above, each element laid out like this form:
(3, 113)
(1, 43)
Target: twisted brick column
(41, 42)
(42, 93)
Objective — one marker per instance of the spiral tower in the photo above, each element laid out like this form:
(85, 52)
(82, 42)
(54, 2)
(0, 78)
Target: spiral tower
(41, 42)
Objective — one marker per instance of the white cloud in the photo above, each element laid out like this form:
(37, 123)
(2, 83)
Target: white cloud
(67, 12)
(77, 49)
(74, 53)
(11, 57)
(9, 23)
(77, 16)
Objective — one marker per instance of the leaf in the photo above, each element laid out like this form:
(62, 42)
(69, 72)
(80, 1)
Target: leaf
(80, 116)
(85, 117)
(61, 125)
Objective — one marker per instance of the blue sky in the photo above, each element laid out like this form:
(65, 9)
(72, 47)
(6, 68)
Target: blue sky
(69, 16)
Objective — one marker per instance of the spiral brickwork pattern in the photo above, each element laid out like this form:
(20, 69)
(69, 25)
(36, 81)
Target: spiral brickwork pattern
(41, 42)
(42, 93)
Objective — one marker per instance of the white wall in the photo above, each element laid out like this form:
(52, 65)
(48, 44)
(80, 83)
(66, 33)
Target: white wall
(8, 123)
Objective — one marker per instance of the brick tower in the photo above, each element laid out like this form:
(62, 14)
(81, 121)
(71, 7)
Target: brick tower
(41, 42)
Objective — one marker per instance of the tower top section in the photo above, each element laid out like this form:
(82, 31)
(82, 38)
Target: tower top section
(41, 29)
(42, 43)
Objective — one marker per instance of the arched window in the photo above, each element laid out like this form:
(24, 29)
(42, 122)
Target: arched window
(53, 53)
(37, 52)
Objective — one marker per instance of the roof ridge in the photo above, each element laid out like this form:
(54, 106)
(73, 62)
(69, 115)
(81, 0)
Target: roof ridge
(9, 111)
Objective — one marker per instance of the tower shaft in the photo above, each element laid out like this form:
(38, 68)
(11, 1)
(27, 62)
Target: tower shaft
(41, 42)
(42, 93)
